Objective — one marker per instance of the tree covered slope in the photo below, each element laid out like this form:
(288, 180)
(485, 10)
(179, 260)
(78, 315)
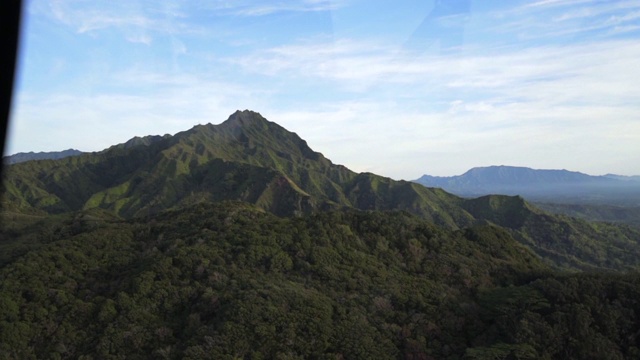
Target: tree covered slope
(228, 281)
(251, 159)
(237, 241)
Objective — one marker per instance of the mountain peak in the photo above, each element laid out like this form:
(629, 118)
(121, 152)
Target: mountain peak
(244, 118)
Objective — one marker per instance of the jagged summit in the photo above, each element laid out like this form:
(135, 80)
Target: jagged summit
(241, 125)
(246, 119)
(247, 136)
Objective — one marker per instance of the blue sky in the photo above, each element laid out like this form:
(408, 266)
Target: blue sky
(398, 88)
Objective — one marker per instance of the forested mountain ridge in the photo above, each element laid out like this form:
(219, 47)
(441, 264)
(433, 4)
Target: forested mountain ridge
(600, 213)
(245, 158)
(238, 241)
(251, 159)
(560, 240)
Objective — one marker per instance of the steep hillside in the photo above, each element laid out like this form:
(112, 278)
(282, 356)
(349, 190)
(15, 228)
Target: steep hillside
(215, 280)
(562, 241)
(248, 158)
(600, 213)
(229, 280)
(245, 158)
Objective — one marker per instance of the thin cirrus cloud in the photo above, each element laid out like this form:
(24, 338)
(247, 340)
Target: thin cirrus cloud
(557, 19)
(604, 66)
(554, 3)
(261, 8)
(85, 17)
(254, 8)
(141, 21)
(556, 96)
(139, 38)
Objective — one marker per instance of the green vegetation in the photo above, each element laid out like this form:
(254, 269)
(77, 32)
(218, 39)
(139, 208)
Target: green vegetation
(562, 241)
(246, 158)
(250, 159)
(600, 213)
(238, 241)
(229, 280)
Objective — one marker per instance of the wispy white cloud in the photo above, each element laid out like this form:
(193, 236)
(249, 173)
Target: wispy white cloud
(546, 102)
(616, 20)
(555, 3)
(560, 18)
(139, 38)
(252, 8)
(342, 59)
(625, 29)
(585, 71)
(139, 22)
(142, 21)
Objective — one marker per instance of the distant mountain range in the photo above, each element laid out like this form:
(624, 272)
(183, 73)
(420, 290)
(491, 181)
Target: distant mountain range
(623, 177)
(52, 155)
(541, 185)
